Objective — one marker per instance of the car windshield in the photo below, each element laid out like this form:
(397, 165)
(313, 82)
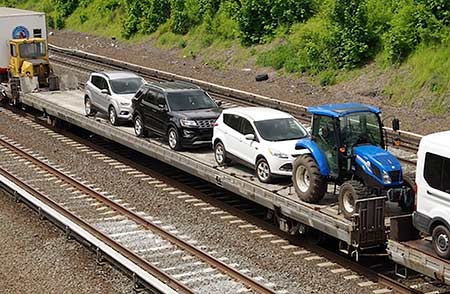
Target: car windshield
(32, 50)
(280, 129)
(126, 85)
(191, 100)
(361, 128)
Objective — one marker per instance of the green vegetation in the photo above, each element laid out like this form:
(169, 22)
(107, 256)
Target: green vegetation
(330, 40)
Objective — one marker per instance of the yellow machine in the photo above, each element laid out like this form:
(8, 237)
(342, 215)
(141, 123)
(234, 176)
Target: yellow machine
(29, 58)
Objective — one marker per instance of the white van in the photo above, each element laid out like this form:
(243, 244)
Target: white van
(432, 215)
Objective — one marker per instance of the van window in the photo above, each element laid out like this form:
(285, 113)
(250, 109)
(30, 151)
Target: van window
(437, 172)
(232, 120)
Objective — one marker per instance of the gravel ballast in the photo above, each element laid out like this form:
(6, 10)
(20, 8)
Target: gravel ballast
(250, 251)
(36, 257)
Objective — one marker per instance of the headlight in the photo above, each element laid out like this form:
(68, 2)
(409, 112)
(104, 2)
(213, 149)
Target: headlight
(125, 103)
(188, 123)
(386, 178)
(278, 154)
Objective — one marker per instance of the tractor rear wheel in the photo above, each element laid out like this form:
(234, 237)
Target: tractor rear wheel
(349, 192)
(406, 202)
(309, 184)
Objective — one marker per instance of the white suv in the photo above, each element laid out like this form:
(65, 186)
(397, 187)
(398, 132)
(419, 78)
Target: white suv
(111, 93)
(260, 138)
(432, 215)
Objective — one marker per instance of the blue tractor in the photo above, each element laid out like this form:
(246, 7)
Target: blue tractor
(347, 147)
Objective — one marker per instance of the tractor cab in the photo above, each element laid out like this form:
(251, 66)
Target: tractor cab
(29, 58)
(347, 148)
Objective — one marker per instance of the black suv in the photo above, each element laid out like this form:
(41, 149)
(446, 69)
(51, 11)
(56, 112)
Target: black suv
(179, 111)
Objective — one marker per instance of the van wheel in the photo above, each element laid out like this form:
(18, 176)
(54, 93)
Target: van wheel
(263, 171)
(174, 139)
(441, 241)
(220, 154)
(88, 107)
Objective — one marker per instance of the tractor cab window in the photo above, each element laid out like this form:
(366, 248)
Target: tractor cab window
(13, 50)
(324, 134)
(32, 50)
(361, 128)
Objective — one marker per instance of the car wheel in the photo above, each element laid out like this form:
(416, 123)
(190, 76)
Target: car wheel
(113, 116)
(220, 154)
(139, 128)
(441, 241)
(174, 139)
(88, 107)
(263, 171)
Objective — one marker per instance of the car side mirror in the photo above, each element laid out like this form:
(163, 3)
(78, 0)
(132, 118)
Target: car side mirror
(396, 124)
(162, 107)
(104, 91)
(250, 137)
(219, 103)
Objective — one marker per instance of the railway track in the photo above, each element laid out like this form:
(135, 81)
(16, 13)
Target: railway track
(86, 62)
(179, 264)
(222, 198)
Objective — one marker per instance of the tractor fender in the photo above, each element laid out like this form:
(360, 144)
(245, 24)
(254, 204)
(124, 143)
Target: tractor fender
(316, 153)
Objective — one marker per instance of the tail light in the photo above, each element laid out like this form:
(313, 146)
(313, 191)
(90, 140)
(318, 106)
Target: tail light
(216, 124)
(415, 197)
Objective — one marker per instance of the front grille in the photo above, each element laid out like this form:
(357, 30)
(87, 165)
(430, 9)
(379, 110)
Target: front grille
(396, 175)
(206, 123)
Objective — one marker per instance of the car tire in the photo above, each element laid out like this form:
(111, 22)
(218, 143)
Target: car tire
(220, 154)
(174, 139)
(349, 192)
(309, 184)
(112, 116)
(263, 172)
(441, 241)
(88, 107)
(139, 128)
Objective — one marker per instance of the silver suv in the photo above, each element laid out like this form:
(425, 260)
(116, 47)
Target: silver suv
(111, 94)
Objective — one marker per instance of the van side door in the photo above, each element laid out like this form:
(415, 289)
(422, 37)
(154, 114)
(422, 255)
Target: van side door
(435, 195)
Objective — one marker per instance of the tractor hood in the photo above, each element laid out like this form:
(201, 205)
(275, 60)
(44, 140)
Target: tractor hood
(376, 161)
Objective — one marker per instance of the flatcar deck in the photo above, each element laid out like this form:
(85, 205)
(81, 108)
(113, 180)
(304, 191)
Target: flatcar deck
(69, 106)
(419, 256)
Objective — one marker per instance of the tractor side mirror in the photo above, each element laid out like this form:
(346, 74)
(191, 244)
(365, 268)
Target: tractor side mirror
(396, 124)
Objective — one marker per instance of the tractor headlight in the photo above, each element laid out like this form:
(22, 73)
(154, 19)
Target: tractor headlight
(386, 178)
(188, 123)
(278, 154)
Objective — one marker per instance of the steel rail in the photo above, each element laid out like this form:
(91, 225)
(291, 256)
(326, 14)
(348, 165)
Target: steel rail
(171, 282)
(299, 111)
(249, 282)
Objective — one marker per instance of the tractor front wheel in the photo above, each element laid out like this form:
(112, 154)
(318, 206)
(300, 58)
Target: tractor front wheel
(309, 184)
(349, 193)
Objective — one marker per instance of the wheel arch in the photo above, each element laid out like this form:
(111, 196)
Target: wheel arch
(316, 153)
(436, 222)
(217, 140)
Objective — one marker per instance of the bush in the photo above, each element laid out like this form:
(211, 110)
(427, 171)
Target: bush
(66, 7)
(414, 23)
(154, 14)
(180, 22)
(350, 33)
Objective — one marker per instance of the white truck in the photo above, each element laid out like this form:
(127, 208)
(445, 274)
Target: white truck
(24, 62)
(432, 215)
(18, 24)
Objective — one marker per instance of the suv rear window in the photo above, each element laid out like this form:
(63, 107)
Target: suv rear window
(437, 172)
(232, 120)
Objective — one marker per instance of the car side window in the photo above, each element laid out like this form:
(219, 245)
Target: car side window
(437, 172)
(95, 81)
(150, 97)
(103, 84)
(232, 120)
(160, 100)
(246, 127)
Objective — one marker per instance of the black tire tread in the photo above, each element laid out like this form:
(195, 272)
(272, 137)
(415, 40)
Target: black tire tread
(360, 192)
(318, 186)
(446, 254)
